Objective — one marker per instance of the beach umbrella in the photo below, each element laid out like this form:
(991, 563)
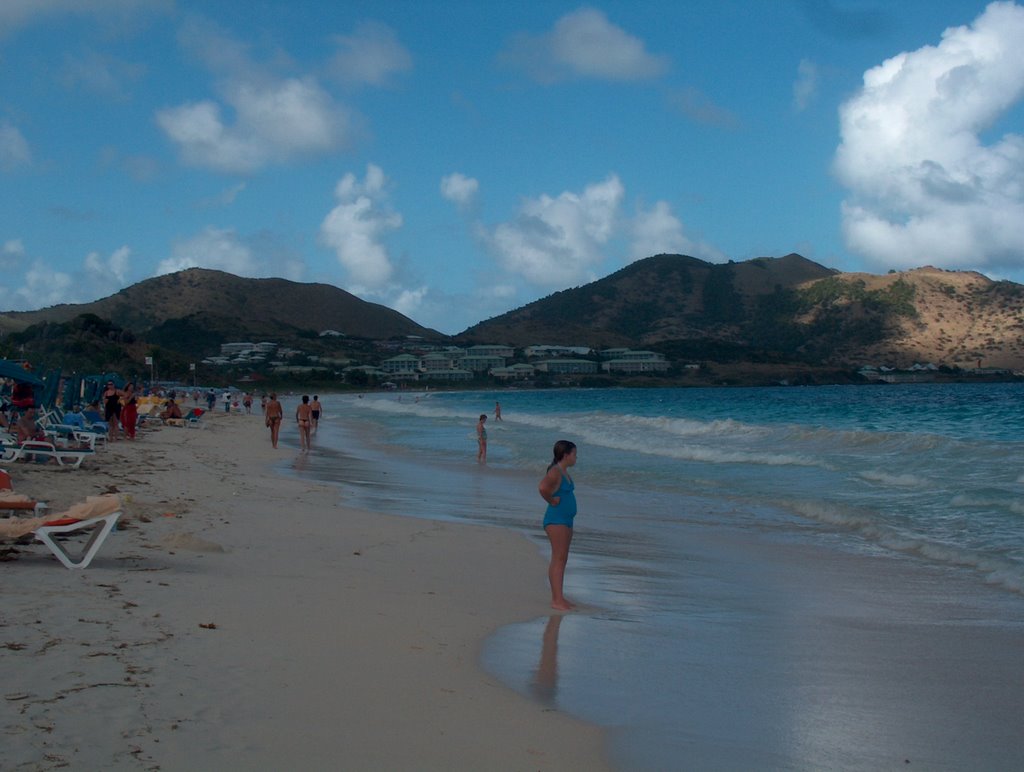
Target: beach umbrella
(51, 385)
(72, 392)
(25, 383)
(93, 386)
(17, 372)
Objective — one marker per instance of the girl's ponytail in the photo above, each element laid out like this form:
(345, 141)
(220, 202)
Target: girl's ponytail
(562, 449)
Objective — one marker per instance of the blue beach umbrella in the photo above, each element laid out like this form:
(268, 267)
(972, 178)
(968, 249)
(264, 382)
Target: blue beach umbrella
(72, 391)
(51, 385)
(93, 385)
(18, 374)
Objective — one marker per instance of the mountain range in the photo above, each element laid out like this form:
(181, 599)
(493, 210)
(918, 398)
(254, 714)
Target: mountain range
(786, 309)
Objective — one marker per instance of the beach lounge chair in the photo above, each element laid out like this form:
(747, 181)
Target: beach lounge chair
(9, 448)
(72, 457)
(62, 434)
(98, 516)
(101, 528)
(97, 430)
(15, 502)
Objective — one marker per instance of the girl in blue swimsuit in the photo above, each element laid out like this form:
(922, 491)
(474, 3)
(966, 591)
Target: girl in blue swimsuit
(557, 490)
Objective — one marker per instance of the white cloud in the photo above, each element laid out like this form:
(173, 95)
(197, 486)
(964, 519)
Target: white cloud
(459, 189)
(100, 74)
(20, 13)
(274, 123)
(555, 241)
(923, 188)
(371, 55)
(111, 272)
(356, 227)
(658, 231)
(225, 198)
(223, 249)
(806, 85)
(700, 108)
(584, 44)
(218, 248)
(409, 301)
(42, 285)
(12, 257)
(261, 119)
(14, 150)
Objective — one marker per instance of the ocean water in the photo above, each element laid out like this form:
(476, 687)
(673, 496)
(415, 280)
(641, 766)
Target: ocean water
(791, 578)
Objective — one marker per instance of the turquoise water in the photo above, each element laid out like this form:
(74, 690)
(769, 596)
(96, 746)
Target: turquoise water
(708, 514)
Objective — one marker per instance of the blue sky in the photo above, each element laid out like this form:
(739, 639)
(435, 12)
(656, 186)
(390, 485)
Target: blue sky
(455, 160)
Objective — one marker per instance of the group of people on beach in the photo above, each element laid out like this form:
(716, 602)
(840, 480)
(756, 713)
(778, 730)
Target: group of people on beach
(307, 417)
(557, 489)
(120, 410)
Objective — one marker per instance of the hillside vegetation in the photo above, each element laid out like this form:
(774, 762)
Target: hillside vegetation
(780, 309)
(210, 307)
(763, 314)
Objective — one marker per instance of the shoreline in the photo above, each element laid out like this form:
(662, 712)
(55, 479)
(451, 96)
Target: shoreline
(241, 617)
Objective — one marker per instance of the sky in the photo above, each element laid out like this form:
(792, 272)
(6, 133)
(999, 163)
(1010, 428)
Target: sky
(457, 159)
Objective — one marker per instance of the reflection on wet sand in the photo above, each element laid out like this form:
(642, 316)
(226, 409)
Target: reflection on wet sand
(544, 685)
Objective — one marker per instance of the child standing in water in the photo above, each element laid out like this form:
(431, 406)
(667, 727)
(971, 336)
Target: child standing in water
(557, 490)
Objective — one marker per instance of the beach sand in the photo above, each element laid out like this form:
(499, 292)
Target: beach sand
(239, 620)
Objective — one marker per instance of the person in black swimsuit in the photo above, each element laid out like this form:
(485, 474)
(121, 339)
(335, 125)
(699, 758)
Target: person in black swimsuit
(112, 409)
(316, 412)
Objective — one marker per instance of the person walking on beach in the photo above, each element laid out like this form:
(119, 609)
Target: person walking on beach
(318, 410)
(557, 489)
(130, 413)
(497, 411)
(111, 409)
(274, 415)
(481, 440)
(304, 417)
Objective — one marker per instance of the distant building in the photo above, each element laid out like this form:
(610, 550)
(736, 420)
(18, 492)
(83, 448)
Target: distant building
(613, 353)
(231, 350)
(453, 374)
(514, 372)
(632, 354)
(491, 350)
(567, 366)
(480, 363)
(401, 364)
(635, 366)
(557, 351)
(440, 360)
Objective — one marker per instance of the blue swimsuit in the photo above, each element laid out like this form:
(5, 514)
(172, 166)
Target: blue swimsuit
(564, 513)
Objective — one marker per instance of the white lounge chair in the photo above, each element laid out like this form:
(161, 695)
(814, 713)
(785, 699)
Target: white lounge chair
(101, 528)
(63, 434)
(98, 514)
(72, 457)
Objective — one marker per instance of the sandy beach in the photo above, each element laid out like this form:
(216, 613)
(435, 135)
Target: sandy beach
(241, 620)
